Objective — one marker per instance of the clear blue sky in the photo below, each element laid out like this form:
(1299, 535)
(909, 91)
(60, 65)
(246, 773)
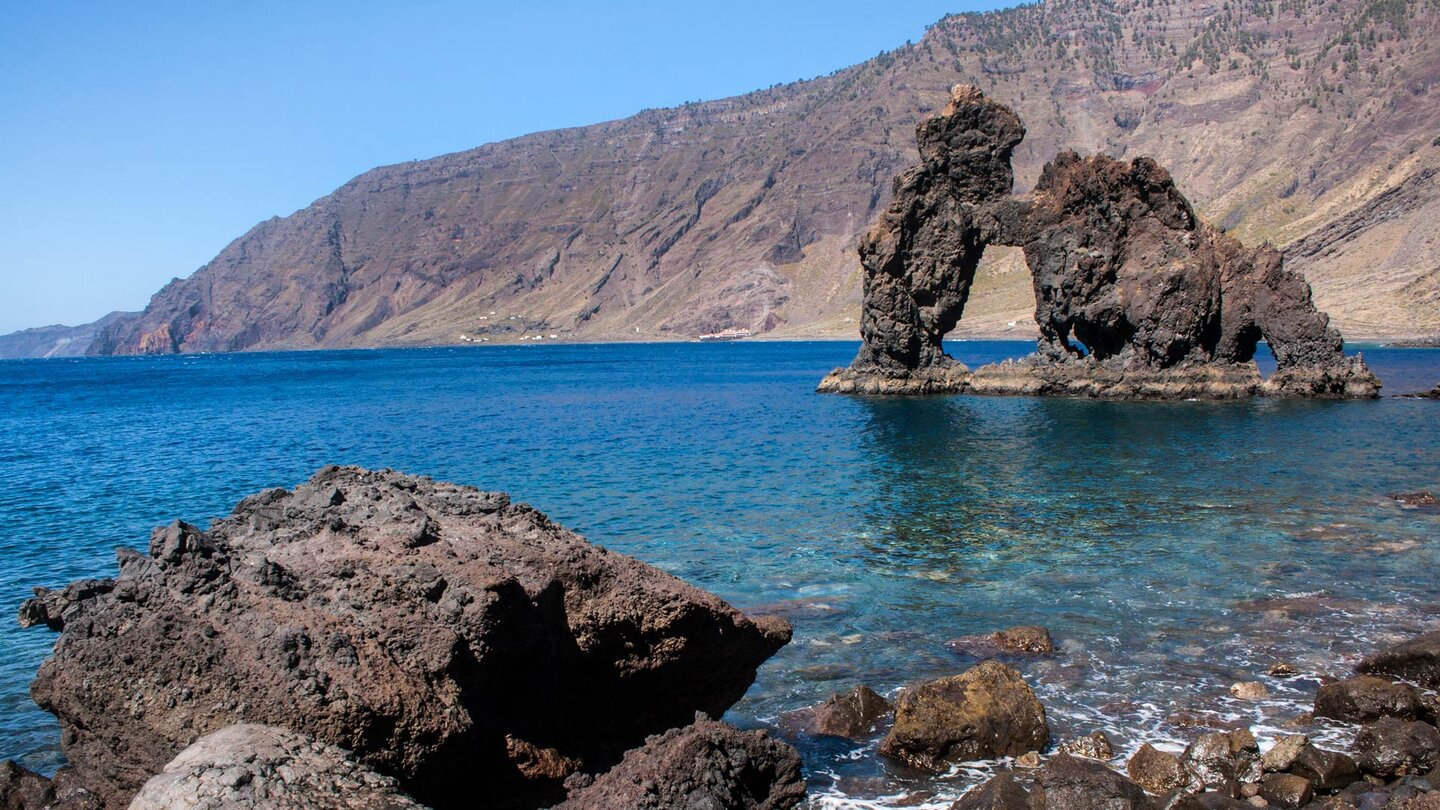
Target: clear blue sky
(138, 139)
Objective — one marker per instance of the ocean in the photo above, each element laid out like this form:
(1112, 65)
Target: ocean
(1172, 549)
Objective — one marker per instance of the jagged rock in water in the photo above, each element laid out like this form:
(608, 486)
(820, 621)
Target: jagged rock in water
(1364, 698)
(920, 257)
(250, 765)
(852, 714)
(447, 636)
(1415, 660)
(1135, 295)
(704, 765)
(989, 711)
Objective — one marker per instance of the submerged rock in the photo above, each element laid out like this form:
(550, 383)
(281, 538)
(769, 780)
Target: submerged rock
(1415, 660)
(446, 636)
(1073, 783)
(984, 713)
(704, 765)
(1364, 698)
(251, 765)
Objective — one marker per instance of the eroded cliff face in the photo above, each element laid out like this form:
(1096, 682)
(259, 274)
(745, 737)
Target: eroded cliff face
(1135, 295)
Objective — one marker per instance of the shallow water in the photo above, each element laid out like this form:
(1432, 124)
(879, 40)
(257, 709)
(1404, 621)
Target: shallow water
(1171, 548)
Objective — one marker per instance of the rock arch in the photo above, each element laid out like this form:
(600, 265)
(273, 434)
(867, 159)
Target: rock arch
(1163, 304)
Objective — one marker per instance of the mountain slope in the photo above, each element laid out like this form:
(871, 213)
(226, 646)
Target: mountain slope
(1280, 118)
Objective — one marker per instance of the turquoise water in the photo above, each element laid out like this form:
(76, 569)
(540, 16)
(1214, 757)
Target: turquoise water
(1171, 548)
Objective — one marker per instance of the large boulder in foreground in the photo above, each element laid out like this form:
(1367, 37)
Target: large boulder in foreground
(704, 765)
(446, 636)
(250, 765)
(1416, 660)
(985, 713)
(1076, 783)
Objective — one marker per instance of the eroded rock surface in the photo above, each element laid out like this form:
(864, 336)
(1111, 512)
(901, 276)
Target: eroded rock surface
(447, 636)
(250, 765)
(704, 765)
(984, 713)
(1415, 660)
(1135, 295)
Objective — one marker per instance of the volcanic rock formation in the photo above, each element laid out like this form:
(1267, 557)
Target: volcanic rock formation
(1135, 295)
(446, 636)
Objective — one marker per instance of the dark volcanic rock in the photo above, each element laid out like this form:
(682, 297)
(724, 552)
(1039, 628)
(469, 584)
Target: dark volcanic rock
(1157, 771)
(1393, 747)
(1001, 792)
(1328, 770)
(1415, 660)
(1221, 760)
(1135, 295)
(704, 765)
(1365, 698)
(920, 257)
(446, 636)
(251, 765)
(849, 714)
(1073, 783)
(1286, 790)
(986, 712)
(23, 789)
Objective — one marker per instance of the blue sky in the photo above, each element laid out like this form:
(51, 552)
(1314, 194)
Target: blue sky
(138, 139)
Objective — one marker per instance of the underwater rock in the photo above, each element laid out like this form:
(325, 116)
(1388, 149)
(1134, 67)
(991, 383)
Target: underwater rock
(1416, 660)
(1364, 698)
(984, 713)
(250, 765)
(447, 636)
(1249, 690)
(1415, 499)
(704, 765)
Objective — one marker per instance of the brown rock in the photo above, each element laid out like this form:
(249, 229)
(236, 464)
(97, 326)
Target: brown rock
(1282, 670)
(987, 712)
(1250, 690)
(251, 765)
(1222, 760)
(1157, 771)
(1000, 792)
(1095, 745)
(1391, 747)
(1284, 753)
(429, 628)
(1025, 639)
(1327, 770)
(1365, 698)
(23, 789)
(704, 765)
(852, 714)
(1416, 660)
(1414, 499)
(1073, 783)
(1286, 790)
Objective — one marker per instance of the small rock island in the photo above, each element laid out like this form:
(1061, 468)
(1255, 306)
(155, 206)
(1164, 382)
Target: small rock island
(1136, 296)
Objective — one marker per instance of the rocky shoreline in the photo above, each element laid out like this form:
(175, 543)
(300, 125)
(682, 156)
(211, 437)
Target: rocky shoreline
(376, 640)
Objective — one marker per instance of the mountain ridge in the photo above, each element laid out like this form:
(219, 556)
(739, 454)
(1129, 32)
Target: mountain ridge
(1280, 119)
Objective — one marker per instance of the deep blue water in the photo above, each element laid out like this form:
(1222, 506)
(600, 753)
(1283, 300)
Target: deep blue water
(1146, 536)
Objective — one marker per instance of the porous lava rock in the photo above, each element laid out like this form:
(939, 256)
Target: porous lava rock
(250, 765)
(984, 713)
(920, 257)
(1075, 783)
(1416, 660)
(1135, 296)
(704, 765)
(447, 636)
(851, 714)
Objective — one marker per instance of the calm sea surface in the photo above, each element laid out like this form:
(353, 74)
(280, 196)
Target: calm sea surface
(1171, 548)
